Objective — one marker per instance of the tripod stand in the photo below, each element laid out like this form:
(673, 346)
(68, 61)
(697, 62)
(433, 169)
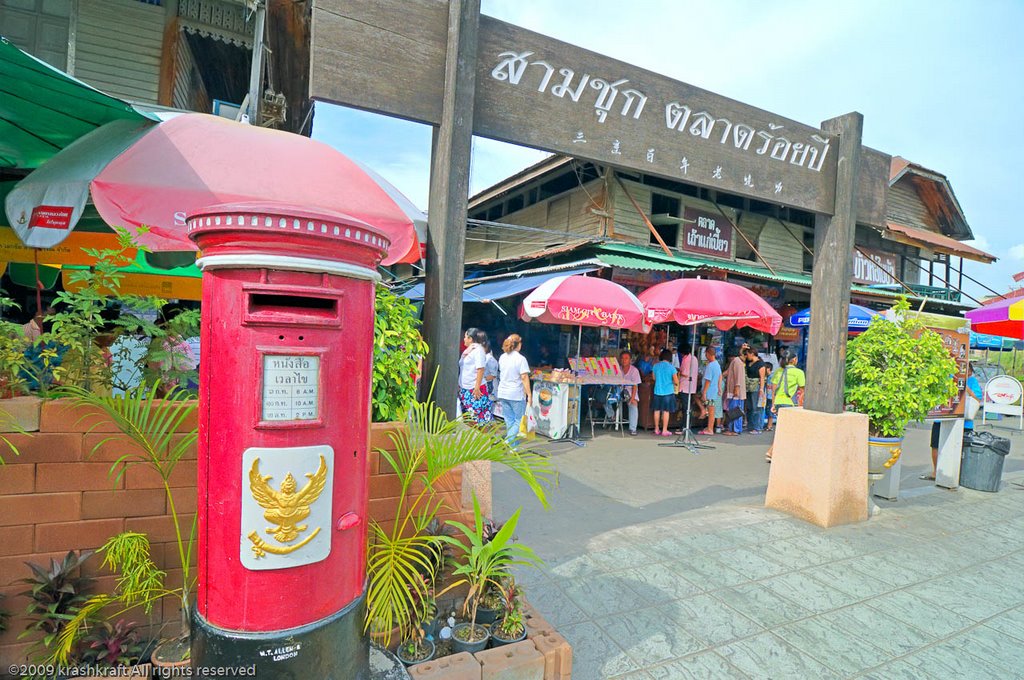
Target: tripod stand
(686, 439)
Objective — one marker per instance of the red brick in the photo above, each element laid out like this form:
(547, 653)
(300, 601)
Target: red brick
(461, 666)
(20, 414)
(62, 415)
(184, 500)
(13, 568)
(383, 509)
(17, 478)
(16, 540)
(145, 477)
(535, 623)
(42, 447)
(76, 535)
(14, 653)
(372, 462)
(190, 453)
(123, 503)
(159, 529)
(109, 446)
(519, 661)
(39, 508)
(76, 477)
(380, 435)
(557, 656)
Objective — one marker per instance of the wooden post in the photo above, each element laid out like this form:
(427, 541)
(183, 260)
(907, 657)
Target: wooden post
(447, 205)
(833, 273)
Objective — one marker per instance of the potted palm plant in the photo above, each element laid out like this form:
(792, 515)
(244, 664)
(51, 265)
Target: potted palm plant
(485, 565)
(896, 372)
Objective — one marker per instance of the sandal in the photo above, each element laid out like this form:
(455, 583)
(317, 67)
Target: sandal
(706, 433)
(657, 433)
(927, 477)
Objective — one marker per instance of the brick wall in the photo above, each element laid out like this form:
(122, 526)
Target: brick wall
(57, 496)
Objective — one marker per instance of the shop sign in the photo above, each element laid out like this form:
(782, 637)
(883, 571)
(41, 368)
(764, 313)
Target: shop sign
(706, 233)
(631, 278)
(956, 337)
(1003, 390)
(788, 334)
(872, 267)
(773, 294)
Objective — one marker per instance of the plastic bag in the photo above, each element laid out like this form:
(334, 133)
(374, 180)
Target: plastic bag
(971, 407)
(528, 426)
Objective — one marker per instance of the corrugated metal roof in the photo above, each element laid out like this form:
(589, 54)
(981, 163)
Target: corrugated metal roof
(630, 262)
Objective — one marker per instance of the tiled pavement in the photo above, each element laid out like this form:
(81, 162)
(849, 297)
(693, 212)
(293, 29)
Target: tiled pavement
(932, 588)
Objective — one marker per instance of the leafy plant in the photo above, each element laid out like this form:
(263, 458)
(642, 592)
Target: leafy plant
(511, 624)
(56, 597)
(154, 426)
(112, 645)
(13, 362)
(430, 446)
(487, 564)
(897, 371)
(397, 348)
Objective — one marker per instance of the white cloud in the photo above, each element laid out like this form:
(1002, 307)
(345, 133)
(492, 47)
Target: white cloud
(1016, 252)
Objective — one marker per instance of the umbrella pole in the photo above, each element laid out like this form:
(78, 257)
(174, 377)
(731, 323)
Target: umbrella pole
(579, 392)
(39, 284)
(686, 439)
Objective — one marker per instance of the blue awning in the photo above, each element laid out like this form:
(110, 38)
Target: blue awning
(497, 289)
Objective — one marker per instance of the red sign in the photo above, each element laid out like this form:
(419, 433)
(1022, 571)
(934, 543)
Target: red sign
(873, 267)
(706, 233)
(1018, 277)
(51, 217)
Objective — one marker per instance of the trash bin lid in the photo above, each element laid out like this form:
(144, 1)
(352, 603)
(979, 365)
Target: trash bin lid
(987, 440)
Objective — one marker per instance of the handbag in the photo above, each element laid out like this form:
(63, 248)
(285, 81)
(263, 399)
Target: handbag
(753, 384)
(971, 407)
(732, 415)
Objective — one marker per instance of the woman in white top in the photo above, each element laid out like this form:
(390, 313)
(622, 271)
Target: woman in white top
(513, 386)
(473, 392)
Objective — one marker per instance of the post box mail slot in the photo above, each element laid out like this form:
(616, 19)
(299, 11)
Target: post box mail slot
(292, 306)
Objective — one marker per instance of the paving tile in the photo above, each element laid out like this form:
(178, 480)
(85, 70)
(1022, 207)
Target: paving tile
(710, 542)
(880, 566)
(601, 595)
(769, 656)
(710, 620)
(922, 614)
(945, 660)
(891, 635)
(617, 559)
(703, 666)
(831, 549)
(899, 670)
(992, 646)
(973, 597)
(638, 675)
(1010, 623)
(747, 562)
(811, 594)
(785, 528)
(832, 646)
(674, 549)
(649, 636)
(574, 567)
(555, 605)
(790, 559)
(748, 534)
(656, 583)
(594, 653)
(761, 604)
(846, 577)
(708, 573)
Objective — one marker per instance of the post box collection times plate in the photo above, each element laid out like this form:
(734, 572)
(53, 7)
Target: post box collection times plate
(291, 387)
(286, 506)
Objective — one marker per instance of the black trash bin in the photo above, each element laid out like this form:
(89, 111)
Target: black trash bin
(981, 467)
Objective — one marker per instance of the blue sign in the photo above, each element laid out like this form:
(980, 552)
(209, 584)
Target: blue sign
(860, 318)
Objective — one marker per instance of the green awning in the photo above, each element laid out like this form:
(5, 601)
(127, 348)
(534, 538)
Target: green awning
(43, 110)
(641, 263)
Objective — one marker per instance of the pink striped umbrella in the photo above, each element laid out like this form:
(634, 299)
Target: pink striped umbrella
(692, 301)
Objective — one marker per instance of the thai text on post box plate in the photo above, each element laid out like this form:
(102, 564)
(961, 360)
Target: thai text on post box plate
(291, 387)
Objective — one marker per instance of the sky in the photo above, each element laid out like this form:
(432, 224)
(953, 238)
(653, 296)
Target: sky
(939, 82)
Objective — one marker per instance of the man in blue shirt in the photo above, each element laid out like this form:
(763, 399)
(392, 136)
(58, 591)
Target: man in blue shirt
(974, 390)
(666, 384)
(712, 389)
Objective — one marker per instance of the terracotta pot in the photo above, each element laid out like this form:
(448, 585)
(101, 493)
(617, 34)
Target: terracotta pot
(172, 658)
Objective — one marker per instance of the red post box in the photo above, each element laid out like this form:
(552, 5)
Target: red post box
(287, 339)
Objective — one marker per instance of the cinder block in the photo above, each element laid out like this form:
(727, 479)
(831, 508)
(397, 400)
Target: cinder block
(520, 661)
(535, 623)
(557, 656)
(20, 414)
(461, 666)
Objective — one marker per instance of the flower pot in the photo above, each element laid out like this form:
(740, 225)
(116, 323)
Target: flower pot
(485, 616)
(472, 646)
(392, 640)
(497, 640)
(172, 658)
(883, 452)
(426, 653)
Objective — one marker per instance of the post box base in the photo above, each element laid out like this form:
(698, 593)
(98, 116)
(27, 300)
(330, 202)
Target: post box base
(334, 648)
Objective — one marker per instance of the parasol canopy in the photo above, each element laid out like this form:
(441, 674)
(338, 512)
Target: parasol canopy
(1003, 317)
(583, 301)
(692, 301)
(858, 320)
(153, 176)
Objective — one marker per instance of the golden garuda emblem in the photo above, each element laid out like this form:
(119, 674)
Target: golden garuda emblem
(285, 508)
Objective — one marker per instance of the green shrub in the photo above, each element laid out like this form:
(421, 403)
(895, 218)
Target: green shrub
(397, 349)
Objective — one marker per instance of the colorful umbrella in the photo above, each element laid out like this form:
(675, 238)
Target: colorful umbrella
(693, 301)
(583, 301)
(1003, 317)
(153, 178)
(859, 319)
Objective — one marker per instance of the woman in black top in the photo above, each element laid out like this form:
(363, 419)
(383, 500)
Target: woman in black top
(757, 378)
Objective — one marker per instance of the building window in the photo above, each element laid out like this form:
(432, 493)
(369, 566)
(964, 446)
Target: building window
(668, 210)
(515, 203)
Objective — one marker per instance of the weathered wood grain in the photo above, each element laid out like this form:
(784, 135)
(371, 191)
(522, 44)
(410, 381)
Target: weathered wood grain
(388, 57)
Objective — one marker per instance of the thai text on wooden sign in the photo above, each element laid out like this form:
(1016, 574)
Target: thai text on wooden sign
(388, 56)
(873, 267)
(707, 233)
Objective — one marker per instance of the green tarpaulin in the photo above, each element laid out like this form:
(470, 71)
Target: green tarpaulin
(43, 110)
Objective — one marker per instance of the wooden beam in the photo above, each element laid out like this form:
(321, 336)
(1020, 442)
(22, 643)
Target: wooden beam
(643, 216)
(447, 206)
(833, 274)
(736, 228)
